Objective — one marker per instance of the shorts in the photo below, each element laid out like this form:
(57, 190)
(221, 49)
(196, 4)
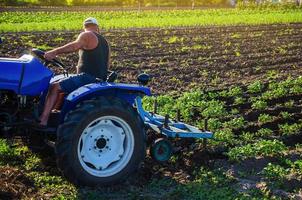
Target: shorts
(73, 82)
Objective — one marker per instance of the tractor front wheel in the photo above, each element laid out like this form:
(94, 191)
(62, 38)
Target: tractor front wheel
(101, 142)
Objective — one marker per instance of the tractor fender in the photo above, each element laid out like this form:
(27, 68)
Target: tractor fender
(126, 92)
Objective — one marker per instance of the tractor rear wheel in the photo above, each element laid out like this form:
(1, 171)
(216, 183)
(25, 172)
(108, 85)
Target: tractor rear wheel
(101, 142)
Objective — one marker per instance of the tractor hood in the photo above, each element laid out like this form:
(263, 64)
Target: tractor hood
(25, 75)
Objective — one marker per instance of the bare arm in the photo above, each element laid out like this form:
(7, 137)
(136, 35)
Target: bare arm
(79, 43)
(68, 48)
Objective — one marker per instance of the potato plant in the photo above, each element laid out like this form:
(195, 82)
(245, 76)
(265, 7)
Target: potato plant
(260, 148)
(265, 118)
(290, 129)
(255, 87)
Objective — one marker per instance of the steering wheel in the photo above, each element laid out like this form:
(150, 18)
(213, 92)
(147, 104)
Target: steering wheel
(40, 54)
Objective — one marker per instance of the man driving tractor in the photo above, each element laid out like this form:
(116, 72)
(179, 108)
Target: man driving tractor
(94, 55)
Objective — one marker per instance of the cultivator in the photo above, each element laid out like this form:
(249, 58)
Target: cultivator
(170, 128)
(161, 149)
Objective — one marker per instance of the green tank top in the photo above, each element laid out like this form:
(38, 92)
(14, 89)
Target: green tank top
(95, 61)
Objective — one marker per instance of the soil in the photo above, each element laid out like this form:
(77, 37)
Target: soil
(14, 184)
(180, 59)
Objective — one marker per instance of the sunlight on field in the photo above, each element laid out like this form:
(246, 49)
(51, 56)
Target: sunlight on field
(47, 21)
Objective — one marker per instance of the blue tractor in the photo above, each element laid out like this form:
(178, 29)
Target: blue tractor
(99, 130)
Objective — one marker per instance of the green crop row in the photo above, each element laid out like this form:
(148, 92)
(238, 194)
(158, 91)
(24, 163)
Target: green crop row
(261, 148)
(225, 117)
(46, 21)
(208, 104)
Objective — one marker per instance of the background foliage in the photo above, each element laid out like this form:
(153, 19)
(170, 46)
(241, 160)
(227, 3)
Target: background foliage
(154, 3)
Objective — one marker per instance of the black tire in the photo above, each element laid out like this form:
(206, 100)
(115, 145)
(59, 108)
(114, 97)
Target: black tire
(69, 133)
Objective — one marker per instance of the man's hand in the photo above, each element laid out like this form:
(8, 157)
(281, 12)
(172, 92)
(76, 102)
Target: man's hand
(50, 55)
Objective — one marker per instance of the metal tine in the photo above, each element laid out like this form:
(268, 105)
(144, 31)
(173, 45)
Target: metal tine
(155, 106)
(178, 115)
(205, 141)
(166, 122)
(206, 124)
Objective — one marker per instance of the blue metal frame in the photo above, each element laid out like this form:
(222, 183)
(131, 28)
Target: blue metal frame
(173, 129)
(115, 88)
(126, 92)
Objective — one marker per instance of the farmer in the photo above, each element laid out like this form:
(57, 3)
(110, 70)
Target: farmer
(94, 54)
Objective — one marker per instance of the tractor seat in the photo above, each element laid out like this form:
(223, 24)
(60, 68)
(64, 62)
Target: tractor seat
(112, 76)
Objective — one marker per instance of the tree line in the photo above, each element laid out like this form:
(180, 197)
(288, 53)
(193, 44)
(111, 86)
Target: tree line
(125, 3)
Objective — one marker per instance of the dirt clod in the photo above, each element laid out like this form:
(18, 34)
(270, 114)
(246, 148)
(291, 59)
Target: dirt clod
(14, 184)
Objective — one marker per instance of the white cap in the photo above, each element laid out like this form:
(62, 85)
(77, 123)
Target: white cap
(90, 20)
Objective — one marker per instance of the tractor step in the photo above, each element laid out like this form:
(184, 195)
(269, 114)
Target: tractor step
(50, 143)
(54, 118)
(45, 130)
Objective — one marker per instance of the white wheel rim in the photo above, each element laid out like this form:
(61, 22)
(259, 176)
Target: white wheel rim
(106, 146)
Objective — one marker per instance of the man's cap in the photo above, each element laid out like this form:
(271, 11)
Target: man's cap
(90, 20)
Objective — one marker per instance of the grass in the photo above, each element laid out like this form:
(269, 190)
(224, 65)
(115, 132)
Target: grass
(47, 21)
